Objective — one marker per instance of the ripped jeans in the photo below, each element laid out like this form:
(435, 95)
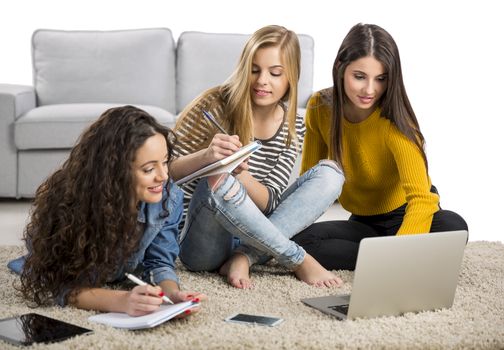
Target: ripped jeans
(216, 218)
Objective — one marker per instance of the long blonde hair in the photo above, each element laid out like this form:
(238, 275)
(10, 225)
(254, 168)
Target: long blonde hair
(235, 91)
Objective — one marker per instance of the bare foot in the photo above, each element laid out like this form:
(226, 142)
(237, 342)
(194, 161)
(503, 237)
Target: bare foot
(237, 271)
(311, 272)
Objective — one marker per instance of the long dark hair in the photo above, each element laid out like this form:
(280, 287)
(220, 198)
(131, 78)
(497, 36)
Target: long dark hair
(371, 40)
(83, 222)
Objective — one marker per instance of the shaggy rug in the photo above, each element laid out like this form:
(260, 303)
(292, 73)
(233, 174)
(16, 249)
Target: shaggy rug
(476, 320)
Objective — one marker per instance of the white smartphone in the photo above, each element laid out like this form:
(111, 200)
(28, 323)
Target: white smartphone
(255, 319)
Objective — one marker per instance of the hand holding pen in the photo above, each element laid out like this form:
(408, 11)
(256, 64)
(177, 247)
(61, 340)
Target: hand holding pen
(142, 283)
(138, 308)
(222, 145)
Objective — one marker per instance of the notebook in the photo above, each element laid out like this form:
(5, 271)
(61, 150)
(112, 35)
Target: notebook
(399, 274)
(123, 320)
(225, 165)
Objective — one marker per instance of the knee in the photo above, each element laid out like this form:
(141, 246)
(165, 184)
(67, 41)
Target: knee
(331, 169)
(330, 174)
(197, 265)
(457, 221)
(450, 221)
(229, 189)
(187, 261)
(233, 191)
(310, 235)
(331, 164)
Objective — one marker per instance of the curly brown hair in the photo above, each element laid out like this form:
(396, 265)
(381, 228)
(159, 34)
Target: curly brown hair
(83, 222)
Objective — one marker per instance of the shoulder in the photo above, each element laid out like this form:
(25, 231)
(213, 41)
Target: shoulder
(175, 194)
(385, 124)
(396, 139)
(208, 100)
(211, 98)
(321, 98)
(319, 109)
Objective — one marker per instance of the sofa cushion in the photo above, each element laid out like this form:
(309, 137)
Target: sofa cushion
(205, 60)
(59, 126)
(123, 66)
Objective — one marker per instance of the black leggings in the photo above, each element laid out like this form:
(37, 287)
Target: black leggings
(335, 243)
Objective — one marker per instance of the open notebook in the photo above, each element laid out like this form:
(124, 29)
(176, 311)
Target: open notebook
(123, 320)
(225, 165)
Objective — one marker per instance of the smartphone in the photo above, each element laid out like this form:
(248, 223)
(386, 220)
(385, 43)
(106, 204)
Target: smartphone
(255, 319)
(34, 328)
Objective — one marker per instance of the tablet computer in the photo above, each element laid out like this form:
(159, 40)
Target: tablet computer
(225, 165)
(33, 328)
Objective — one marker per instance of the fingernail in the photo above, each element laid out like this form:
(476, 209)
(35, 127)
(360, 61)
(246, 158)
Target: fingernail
(187, 312)
(190, 296)
(196, 300)
(161, 294)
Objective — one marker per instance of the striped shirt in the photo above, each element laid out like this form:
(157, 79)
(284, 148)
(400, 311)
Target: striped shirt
(271, 165)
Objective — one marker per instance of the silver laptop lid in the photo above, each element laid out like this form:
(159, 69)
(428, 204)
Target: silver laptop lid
(399, 274)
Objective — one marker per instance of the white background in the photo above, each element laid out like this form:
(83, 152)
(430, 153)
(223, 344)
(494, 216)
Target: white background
(451, 52)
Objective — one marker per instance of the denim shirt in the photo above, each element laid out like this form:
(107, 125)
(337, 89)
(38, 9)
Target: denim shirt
(158, 249)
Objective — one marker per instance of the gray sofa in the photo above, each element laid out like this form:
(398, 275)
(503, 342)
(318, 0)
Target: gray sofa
(79, 74)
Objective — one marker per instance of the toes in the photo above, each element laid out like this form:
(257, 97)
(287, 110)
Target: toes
(245, 284)
(241, 283)
(236, 283)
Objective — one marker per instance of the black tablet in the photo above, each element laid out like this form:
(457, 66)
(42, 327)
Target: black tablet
(34, 328)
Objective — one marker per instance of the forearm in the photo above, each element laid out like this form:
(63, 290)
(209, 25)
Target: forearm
(317, 120)
(221, 147)
(255, 190)
(419, 213)
(188, 164)
(101, 299)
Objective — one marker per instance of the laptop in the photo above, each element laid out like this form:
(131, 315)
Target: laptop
(399, 274)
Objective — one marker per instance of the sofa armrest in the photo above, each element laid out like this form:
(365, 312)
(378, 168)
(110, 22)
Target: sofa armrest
(14, 101)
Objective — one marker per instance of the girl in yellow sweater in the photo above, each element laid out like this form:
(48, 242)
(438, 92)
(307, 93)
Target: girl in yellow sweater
(366, 124)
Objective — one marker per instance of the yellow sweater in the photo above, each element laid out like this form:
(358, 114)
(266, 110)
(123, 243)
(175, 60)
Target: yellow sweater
(382, 167)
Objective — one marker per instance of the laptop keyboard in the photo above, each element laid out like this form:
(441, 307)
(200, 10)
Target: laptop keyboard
(340, 308)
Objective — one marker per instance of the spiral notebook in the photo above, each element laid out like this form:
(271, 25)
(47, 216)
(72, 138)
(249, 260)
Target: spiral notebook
(123, 320)
(225, 165)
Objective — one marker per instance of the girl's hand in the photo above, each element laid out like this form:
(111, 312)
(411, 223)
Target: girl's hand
(222, 145)
(143, 300)
(242, 167)
(179, 296)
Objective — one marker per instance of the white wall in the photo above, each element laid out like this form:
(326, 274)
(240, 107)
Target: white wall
(452, 55)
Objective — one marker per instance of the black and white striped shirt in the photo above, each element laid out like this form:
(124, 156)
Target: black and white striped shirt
(271, 165)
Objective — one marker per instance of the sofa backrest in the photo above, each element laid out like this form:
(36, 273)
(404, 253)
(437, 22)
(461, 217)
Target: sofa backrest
(122, 66)
(205, 60)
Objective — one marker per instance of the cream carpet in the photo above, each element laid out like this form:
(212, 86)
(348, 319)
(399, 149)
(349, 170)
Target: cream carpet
(476, 320)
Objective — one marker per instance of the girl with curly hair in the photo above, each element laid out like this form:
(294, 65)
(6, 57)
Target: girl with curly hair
(110, 209)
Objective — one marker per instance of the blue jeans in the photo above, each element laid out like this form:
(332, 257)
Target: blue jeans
(215, 218)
